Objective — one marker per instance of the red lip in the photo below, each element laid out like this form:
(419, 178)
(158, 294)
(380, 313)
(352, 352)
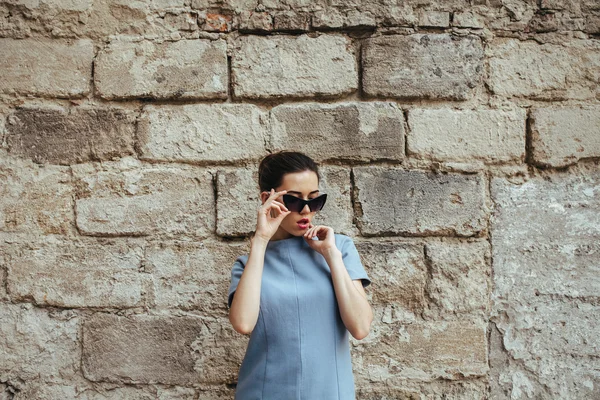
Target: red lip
(303, 221)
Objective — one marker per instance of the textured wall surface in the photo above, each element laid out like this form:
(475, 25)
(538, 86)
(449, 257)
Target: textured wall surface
(460, 147)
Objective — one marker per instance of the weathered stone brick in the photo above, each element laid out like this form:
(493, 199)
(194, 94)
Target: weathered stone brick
(81, 273)
(347, 131)
(202, 132)
(543, 71)
(336, 18)
(67, 136)
(187, 69)
(400, 274)
(170, 350)
(546, 237)
(191, 275)
(401, 66)
(459, 278)
(394, 201)
(35, 199)
(293, 66)
(549, 348)
(46, 67)
(424, 351)
(238, 199)
(38, 344)
(291, 21)
(466, 135)
(438, 19)
(256, 21)
(563, 135)
(545, 234)
(414, 389)
(128, 198)
(81, 391)
(467, 19)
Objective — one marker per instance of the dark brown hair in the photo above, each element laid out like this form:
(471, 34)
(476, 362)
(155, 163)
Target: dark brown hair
(274, 166)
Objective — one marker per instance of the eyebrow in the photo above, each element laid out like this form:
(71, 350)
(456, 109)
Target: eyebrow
(293, 191)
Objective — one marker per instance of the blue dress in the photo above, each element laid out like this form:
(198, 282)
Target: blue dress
(299, 348)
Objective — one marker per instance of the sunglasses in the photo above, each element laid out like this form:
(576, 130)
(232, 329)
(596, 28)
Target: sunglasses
(296, 204)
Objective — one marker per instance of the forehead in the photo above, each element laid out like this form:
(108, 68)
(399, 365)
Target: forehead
(305, 181)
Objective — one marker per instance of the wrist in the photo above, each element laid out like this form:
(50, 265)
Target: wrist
(331, 253)
(259, 241)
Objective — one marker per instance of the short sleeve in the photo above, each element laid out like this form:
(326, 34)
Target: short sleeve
(352, 262)
(236, 274)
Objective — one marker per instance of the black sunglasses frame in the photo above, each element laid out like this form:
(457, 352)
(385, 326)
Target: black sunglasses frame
(296, 204)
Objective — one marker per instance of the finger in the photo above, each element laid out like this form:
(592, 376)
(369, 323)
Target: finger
(273, 195)
(277, 207)
(280, 204)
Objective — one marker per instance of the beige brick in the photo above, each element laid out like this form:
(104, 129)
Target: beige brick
(424, 351)
(414, 389)
(557, 340)
(129, 198)
(466, 135)
(203, 132)
(459, 279)
(563, 135)
(38, 344)
(67, 136)
(186, 69)
(291, 21)
(467, 19)
(293, 66)
(545, 243)
(185, 350)
(419, 202)
(80, 273)
(50, 68)
(98, 391)
(346, 131)
(399, 274)
(191, 275)
(35, 199)
(546, 236)
(401, 66)
(437, 19)
(543, 71)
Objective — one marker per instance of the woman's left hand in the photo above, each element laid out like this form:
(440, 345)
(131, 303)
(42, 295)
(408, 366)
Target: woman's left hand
(325, 235)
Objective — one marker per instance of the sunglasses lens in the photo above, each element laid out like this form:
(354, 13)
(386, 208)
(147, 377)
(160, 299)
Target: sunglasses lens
(296, 204)
(292, 203)
(317, 203)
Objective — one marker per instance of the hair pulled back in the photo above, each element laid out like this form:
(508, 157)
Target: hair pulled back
(274, 166)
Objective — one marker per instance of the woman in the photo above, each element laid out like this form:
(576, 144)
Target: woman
(299, 297)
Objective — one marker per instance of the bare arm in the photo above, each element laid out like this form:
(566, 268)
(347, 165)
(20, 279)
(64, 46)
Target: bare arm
(243, 313)
(245, 305)
(355, 309)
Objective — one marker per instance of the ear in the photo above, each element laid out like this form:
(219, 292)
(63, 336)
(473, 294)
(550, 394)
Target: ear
(264, 196)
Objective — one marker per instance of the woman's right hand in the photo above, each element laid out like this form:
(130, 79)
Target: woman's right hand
(267, 225)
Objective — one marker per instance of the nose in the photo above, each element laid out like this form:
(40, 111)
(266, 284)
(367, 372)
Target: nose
(305, 209)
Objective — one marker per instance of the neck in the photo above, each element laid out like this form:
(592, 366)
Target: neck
(281, 234)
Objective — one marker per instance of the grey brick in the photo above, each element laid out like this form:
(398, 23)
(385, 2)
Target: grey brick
(394, 201)
(347, 131)
(186, 69)
(402, 67)
(48, 68)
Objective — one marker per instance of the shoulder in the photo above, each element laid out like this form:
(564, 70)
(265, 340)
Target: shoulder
(342, 240)
(240, 261)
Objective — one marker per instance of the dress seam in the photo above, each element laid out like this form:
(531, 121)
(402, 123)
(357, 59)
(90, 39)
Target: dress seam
(266, 355)
(299, 386)
(337, 375)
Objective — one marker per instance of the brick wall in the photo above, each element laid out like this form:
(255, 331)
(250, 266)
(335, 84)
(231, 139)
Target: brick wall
(459, 142)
